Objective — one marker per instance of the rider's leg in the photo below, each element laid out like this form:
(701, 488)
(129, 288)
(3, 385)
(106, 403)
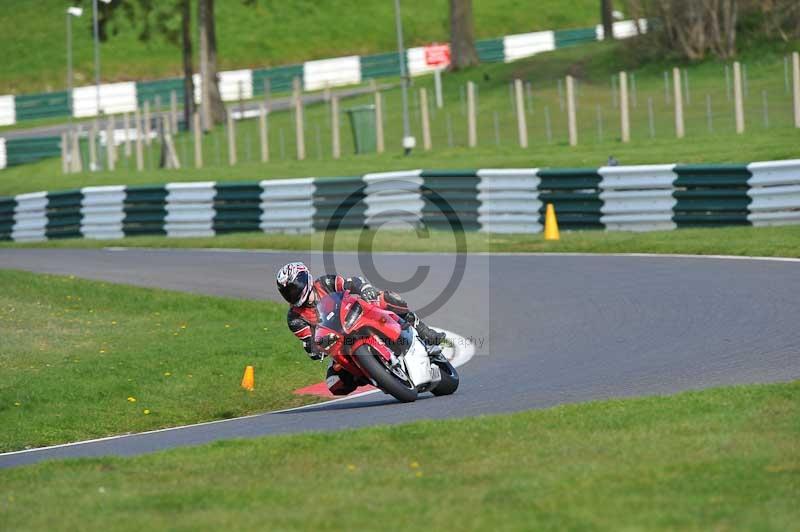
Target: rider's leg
(340, 382)
(392, 301)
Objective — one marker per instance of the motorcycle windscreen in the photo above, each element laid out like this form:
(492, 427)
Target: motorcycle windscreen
(328, 310)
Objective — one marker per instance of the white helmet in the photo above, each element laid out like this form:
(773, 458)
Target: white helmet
(295, 283)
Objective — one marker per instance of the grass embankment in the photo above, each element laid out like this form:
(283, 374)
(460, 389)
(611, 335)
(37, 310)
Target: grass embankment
(593, 65)
(75, 354)
(755, 241)
(720, 459)
(267, 33)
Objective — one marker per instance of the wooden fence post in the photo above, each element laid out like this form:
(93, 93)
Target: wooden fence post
(298, 119)
(426, 121)
(738, 102)
(93, 147)
(198, 140)
(522, 126)
(472, 125)
(336, 147)
(677, 96)
(110, 152)
(263, 132)
(139, 147)
(231, 140)
(796, 87)
(379, 139)
(173, 109)
(571, 120)
(623, 102)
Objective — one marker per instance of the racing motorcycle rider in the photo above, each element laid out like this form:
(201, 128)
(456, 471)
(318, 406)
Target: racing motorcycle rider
(301, 291)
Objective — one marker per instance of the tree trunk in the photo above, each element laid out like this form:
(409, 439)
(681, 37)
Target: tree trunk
(462, 35)
(212, 106)
(607, 15)
(188, 70)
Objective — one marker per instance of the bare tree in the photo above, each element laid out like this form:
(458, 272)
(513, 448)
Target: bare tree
(212, 108)
(462, 35)
(607, 15)
(696, 27)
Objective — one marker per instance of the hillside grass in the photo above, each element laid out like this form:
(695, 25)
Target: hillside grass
(743, 241)
(719, 459)
(81, 359)
(271, 32)
(773, 137)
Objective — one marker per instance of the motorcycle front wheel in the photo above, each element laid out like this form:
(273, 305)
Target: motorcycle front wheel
(401, 389)
(449, 382)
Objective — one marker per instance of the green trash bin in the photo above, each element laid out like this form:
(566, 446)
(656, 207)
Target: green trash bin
(362, 122)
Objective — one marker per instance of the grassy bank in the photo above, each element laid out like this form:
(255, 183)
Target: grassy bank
(721, 459)
(82, 359)
(758, 241)
(266, 33)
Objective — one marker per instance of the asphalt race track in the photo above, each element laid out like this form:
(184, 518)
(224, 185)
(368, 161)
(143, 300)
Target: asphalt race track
(548, 329)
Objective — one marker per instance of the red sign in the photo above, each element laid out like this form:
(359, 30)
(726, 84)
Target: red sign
(437, 55)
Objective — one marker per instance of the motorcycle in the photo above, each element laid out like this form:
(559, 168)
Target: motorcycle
(379, 346)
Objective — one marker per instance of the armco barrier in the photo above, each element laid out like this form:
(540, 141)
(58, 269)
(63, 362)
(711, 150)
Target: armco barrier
(287, 205)
(709, 195)
(102, 212)
(451, 199)
(393, 199)
(246, 83)
(614, 198)
(774, 189)
(29, 150)
(237, 207)
(7, 208)
(637, 198)
(509, 201)
(575, 194)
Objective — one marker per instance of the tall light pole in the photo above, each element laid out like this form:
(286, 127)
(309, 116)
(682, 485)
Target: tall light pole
(71, 12)
(96, 28)
(408, 141)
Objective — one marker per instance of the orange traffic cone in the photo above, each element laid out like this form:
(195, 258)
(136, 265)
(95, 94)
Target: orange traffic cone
(550, 223)
(248, 381)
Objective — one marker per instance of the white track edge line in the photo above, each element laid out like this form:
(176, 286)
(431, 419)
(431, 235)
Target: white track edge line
(462, 356)
(478, 253)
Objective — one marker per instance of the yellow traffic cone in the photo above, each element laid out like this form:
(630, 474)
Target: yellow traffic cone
(550, 223)
(248, 381)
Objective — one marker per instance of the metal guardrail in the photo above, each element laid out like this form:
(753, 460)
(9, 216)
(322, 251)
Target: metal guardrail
(635, 198)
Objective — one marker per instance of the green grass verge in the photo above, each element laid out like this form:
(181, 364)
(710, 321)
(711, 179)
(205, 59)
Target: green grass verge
(720, 459)
(269, 33)
(73, 352)
(759, 241)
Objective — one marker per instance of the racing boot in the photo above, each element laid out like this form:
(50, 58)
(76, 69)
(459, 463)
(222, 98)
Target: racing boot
(428, 335)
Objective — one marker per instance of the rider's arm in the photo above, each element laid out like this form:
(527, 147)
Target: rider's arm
(304, 332)
(362, 287)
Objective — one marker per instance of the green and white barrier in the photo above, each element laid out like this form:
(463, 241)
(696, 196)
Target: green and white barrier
(287, 205)
(613, 198)
(637, 198)
(8, 115)
(102, 212)
(509, 201)
(393, 198)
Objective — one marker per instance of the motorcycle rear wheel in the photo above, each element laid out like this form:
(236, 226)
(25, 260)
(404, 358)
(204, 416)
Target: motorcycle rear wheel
(405, 392)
